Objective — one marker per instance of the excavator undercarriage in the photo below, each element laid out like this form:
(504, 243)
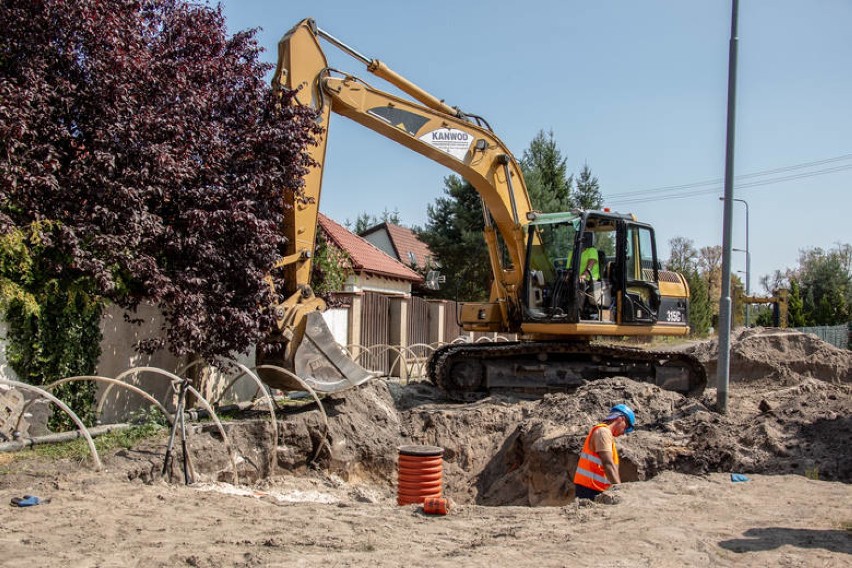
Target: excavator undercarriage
(542, 367)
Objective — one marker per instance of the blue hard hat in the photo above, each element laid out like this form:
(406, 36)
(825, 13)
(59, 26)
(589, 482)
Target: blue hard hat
(623, 410)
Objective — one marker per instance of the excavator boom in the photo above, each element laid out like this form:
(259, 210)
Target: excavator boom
(426, 126)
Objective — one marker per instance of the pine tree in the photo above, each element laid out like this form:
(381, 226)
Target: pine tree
(453, 233)
(700, 309)
(366, 221)
(546, 174)
(795, 305)
(588, 192)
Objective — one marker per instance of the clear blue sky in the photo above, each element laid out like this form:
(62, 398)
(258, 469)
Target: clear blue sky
(635, 89)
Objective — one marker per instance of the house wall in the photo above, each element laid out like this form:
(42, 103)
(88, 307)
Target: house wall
(337, 320)
(118, 355)
(363, 282)
(382, 241)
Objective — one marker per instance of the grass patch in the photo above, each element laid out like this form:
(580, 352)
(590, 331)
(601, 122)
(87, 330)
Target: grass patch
(79, 449)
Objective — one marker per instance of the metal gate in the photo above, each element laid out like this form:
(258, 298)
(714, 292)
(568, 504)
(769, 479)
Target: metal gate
(419, 323)
(452, 329)
(375, 332)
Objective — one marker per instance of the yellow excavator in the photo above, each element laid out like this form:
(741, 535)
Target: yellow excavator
(556, 301)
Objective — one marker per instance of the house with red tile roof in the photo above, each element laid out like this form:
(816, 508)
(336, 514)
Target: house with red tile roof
(402, 244)
(373, 270)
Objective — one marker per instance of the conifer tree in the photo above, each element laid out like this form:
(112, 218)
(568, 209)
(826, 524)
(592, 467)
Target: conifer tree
(588, 192)
(546, 174)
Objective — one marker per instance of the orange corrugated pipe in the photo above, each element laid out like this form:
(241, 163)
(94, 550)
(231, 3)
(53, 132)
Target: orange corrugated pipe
(420, 474)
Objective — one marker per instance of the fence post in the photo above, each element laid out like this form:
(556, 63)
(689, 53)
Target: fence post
(437, 315)
(398, 333)
(356, 306)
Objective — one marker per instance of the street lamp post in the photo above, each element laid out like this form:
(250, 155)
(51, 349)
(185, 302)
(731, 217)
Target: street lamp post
(748, 264)
(748, 258)
(723, 367)
(747, 282)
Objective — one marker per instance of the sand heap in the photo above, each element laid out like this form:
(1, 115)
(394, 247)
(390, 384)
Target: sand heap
(787, 413)
(777, 356)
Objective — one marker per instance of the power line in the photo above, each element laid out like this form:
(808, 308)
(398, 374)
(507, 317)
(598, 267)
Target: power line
(716, 185)
(718, 181)
(716, 189)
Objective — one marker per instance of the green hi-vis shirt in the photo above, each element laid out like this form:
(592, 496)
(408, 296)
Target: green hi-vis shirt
(590, 253)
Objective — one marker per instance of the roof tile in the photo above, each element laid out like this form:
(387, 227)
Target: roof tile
(365, 256)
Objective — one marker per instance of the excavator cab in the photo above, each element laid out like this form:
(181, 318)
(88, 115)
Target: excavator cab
(593, 267)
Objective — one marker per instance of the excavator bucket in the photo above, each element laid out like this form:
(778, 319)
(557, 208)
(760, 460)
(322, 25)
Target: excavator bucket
(320, 363)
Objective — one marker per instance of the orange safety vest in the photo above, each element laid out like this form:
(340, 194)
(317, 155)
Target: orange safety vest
(590, 471)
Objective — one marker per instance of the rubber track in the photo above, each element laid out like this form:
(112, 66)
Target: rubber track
(439, 363)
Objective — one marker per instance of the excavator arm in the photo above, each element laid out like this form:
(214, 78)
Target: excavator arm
(425, 125)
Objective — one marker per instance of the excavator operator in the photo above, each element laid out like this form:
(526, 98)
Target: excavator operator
(589, 264)
(590, 272)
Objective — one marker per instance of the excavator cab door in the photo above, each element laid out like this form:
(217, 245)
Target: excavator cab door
(550, 285)
(637, 290)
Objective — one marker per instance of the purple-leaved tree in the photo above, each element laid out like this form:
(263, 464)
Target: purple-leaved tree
(144, 143)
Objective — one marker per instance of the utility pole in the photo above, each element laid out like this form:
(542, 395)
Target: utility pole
(724, 365)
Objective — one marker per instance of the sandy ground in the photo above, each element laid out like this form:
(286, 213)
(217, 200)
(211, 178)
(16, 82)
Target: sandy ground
(671, 520)
(324, 493)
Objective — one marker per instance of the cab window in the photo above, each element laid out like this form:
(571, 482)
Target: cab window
(640, 255)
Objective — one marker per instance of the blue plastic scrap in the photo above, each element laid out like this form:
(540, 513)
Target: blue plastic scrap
(736, 477)
(25, 501)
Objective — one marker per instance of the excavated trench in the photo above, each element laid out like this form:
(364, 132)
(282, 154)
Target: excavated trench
(787, 413)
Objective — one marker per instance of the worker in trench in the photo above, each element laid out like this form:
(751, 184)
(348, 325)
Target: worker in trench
(597, 469)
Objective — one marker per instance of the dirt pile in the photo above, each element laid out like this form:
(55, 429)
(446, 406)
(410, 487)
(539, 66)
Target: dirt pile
(782, 356)
(787, 414)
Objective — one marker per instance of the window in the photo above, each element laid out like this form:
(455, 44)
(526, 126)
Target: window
(640, 254)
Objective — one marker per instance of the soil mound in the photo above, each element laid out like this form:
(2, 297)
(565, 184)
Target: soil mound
(787, 414)
(782, 356)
